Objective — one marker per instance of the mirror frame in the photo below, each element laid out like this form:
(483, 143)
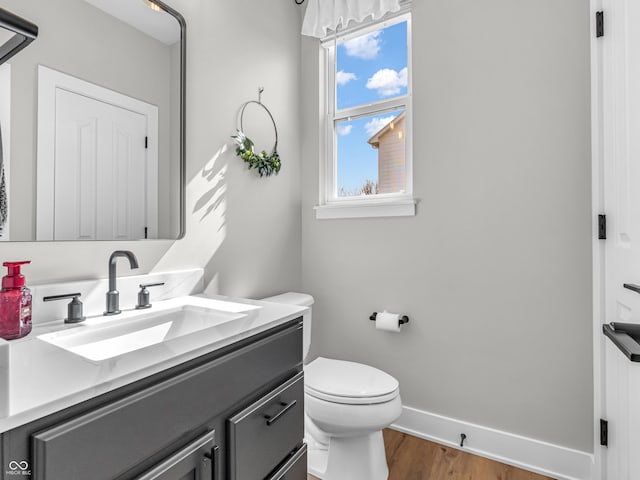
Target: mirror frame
(25, 33)
(183, 101)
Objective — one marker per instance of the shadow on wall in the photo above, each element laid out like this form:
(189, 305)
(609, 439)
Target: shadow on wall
(213, 172)
(206, 215)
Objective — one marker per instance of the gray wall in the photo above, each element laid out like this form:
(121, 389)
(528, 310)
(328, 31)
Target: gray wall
(495, 268)
(80, 40)
(245, 231)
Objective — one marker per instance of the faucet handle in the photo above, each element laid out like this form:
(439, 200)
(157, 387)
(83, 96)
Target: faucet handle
(143, 295)
(74, 309)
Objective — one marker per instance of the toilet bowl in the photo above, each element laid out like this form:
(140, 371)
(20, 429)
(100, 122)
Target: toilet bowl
(347, 405)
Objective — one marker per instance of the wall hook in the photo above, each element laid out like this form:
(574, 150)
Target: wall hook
(260, 90)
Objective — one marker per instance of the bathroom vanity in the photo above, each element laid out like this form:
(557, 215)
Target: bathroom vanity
(192, 388)
(228, 406)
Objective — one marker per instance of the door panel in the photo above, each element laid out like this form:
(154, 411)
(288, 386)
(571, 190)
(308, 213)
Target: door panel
(100, 162)
(621, 180)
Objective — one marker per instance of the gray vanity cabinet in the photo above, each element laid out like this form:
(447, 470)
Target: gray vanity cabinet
(182, 424)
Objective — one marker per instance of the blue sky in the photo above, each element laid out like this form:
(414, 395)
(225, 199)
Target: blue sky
(369, 68)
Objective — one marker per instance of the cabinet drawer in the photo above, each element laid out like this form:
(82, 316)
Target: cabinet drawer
(262, 435)
(295, 468)
(191, 462)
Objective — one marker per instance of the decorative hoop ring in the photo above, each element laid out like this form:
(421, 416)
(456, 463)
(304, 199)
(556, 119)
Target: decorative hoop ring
(275, 129)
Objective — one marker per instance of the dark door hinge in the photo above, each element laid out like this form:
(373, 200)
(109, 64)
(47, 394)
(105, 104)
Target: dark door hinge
(599, 24)
(146, 142)
(146, 232)
(604, 433)
(602, 227)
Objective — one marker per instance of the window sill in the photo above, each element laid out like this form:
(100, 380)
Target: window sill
(366, 209)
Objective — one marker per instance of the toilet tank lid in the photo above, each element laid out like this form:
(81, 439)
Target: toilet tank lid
(291, 298)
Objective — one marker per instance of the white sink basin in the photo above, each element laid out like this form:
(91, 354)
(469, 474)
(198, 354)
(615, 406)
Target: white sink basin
(187, 319)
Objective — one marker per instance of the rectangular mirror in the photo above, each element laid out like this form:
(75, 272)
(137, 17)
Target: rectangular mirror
(92, 122)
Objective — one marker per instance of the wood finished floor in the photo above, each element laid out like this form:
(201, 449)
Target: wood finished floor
(412, 458)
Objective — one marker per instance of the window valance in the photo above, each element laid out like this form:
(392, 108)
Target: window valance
(323, 16)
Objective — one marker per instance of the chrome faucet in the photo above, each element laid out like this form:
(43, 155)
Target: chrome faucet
(113, 296)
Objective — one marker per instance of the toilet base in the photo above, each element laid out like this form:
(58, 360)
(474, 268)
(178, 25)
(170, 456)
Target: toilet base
(317, 461)
(350, 458)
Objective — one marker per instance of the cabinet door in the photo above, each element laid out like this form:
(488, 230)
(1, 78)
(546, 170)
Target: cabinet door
(193, 462)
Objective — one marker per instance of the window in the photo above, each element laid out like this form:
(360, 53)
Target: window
(367, 163)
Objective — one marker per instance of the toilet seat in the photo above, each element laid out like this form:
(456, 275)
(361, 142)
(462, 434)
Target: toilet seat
(351, 383)
(351, 400)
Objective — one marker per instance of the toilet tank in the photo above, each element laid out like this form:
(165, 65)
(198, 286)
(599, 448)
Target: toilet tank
(304, 300)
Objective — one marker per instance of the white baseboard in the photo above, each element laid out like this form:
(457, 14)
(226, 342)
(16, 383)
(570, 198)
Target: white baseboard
(547, 459)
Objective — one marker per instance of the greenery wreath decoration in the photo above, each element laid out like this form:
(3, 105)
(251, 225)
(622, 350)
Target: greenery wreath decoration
(266, 164)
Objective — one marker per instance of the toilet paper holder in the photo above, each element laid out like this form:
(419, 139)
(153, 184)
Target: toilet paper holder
(402, 320)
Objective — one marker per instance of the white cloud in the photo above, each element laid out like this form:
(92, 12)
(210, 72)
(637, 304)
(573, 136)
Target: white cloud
(344, 130)
(388, 82)
(365, 47)
(374, 125)
(342, 78)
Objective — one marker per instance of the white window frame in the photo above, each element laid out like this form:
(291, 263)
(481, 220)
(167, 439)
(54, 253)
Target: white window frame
(378, 205)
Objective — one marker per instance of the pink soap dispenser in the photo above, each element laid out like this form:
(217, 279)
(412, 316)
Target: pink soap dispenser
(15, 303)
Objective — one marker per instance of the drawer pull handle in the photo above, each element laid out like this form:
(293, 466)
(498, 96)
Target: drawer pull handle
(632, 287)
(287, 406)
(214, 457)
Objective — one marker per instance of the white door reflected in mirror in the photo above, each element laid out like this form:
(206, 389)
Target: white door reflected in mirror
(97, 164)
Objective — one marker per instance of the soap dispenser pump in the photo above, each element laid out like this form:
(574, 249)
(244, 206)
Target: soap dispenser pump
(15, 303)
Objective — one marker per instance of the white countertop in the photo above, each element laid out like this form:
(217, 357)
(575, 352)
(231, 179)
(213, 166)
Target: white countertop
(38, 378)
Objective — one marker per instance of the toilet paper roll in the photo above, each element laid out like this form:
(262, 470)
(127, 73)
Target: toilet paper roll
(389, 322)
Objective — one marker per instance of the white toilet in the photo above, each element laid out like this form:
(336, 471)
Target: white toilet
(347, 405)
